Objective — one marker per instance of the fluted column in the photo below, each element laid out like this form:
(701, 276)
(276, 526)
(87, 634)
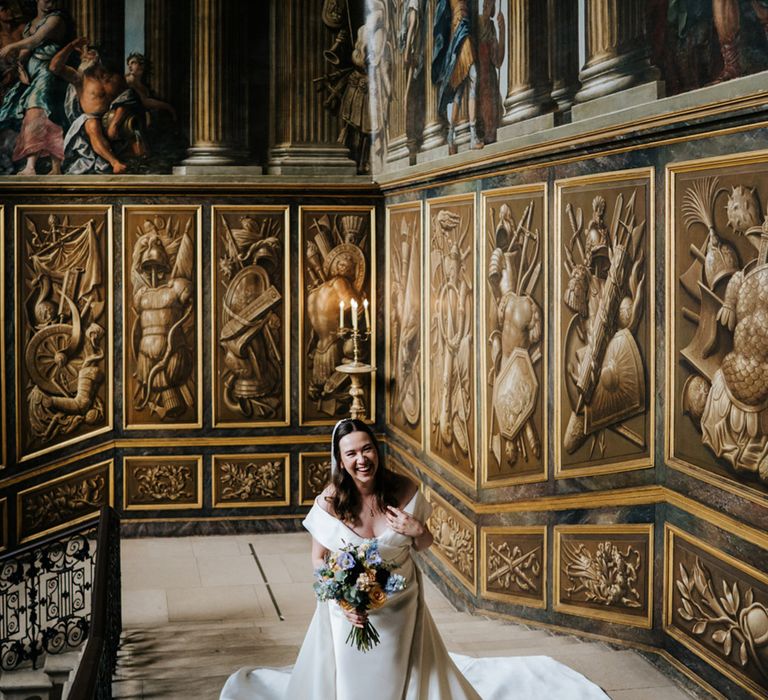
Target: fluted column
(394, 121)
(102, 22)
(434, 126)
(618, 53)
(529, 86)
(564, 51)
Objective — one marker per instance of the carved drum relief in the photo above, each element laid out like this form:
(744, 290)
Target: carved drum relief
(161, 317)
(450, 331)
(162, 483)
(718, 607)
(250, 480)
(337, 249)
(514, 565)
(63, 325)
(250, 305)
(314, 475)
(404, 294)
(605, 572)
(718, 289)
(604, 325)
(514, 335)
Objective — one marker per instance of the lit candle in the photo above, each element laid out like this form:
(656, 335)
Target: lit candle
(341, 314)
(354, 314)
(367, 316)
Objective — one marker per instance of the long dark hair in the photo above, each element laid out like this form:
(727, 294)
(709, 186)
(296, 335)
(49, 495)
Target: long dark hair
(346, 499)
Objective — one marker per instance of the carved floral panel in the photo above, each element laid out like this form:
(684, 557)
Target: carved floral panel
(337, 247)
(455, 539)
(718, 299)
(161, 317)
(162, 483)
(314, 475)
(64, 344)
(63, 501)
(241, 481)
(605, 572)
(604, 323)
(514, 335)
(404, 294)
(718, 607)
(514, 565)
(450, 326)
(250, 306)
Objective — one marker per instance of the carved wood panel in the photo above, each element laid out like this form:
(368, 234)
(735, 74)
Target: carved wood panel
(251, 335)
(162, 304)
(717, 606)
(337, 254)
(404, 311)
(314, 475)
(717, 401)
(251, 480)
(64, 344)
(162, 483)
(4, 533)
(605, 572)
(450, 326)
(514, 565)
(604, 323)
(514, 333)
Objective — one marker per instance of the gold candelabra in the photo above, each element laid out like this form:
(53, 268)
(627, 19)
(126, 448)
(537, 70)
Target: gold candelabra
(355, 369)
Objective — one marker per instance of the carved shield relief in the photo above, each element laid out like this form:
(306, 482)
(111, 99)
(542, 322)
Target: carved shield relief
(404, 354)
(514, 332)
(251, 361)
(63, 325)
(337, 249)
(161, 317)
(717, 288)
(450, 331)
(604, 351)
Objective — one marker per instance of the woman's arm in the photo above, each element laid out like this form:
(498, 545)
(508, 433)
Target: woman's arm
(319, 553)
(45, 30)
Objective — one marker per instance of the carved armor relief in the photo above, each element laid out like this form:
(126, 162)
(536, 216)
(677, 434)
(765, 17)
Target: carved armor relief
(250, 480)
(604, 323)
(717, 607)
(718, 322)
(514, 565)
(450, 326)
(314, 475)
(250, 340)
(162, 483)
(404, 310)
(162, 296)
(514, 335)
(63, 325)
(605, 572)
(337, 249)
(63, 502)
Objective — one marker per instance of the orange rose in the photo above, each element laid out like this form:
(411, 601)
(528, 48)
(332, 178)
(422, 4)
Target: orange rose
(377, 597)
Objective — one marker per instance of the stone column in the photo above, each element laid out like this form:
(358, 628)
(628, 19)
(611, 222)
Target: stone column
(102, 22)
(564, 51)
(434, 127)
(303, 133)
(618, 53)
(529, 86)
(394, 121)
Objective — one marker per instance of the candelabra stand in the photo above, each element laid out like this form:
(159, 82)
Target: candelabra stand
(356, 370)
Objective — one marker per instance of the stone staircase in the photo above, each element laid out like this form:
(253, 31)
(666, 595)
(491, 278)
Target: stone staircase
(51, 682)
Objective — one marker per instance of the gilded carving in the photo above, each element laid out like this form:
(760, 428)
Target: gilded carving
(314, 474)
(250, 287)
(162, 482)
(162, 288)
(718, 607)
(513, 564)
(514, 333)
(451, 391)
(64, 334)
(604, 326)
(243, 480)
(336, 247)
(404, 357)
(454, 538)
(608, 575)
(4, 534)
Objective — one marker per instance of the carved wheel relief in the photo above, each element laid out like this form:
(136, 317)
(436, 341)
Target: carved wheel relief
(161, 307)
(64, 339)
(605, 322)
(515, 340)
(451, 339)
(336, 249)
(404, 338)
(250, 326)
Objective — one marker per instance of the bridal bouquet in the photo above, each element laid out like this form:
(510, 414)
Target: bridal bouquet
(358, 579)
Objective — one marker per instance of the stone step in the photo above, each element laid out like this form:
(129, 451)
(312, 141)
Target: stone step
(23, 684)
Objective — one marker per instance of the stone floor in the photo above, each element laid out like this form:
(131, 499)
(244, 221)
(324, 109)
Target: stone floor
(195, 609)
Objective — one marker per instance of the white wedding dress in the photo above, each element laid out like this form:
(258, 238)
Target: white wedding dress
(411, 661)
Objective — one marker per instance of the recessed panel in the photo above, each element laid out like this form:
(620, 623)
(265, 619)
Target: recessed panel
(314, 475)
(250, 480)
(514, 565)
(162, 483)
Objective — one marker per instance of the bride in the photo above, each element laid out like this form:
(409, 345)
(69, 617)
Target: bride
(364, 501)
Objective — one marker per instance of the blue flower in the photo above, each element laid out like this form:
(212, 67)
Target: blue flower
(395, 583)
(346, 561)
(373, 557)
